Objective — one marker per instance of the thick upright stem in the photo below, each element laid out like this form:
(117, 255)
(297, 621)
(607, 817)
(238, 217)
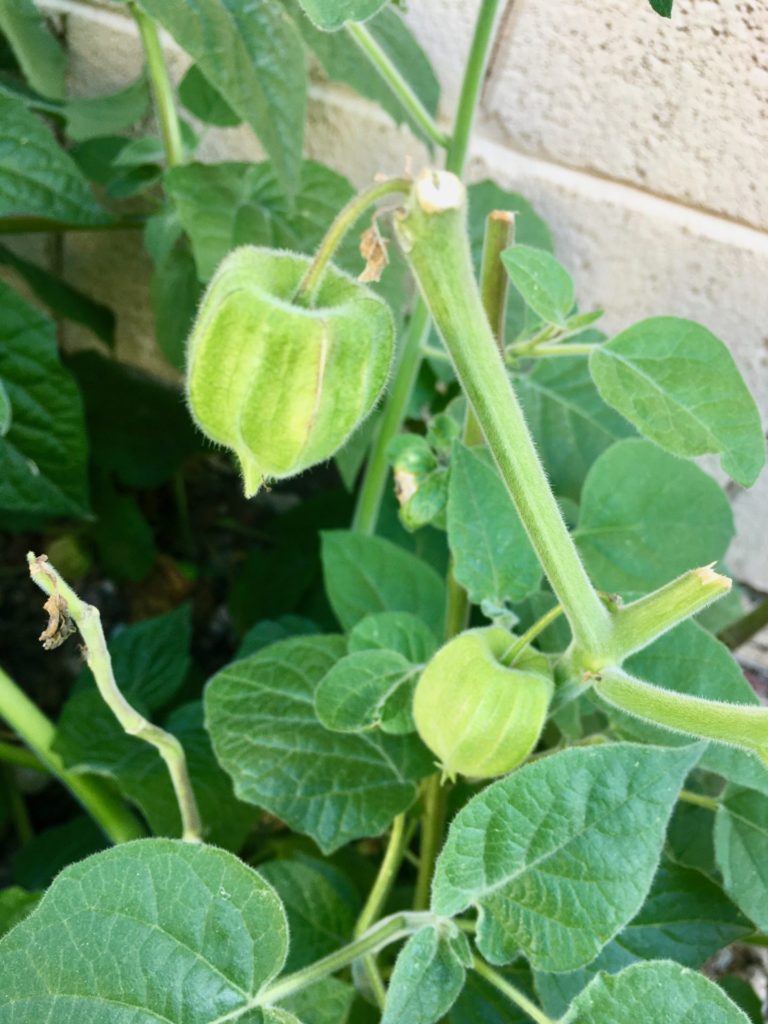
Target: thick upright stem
(88, 621)
(162, 89)
(117, 822)
(434, 238)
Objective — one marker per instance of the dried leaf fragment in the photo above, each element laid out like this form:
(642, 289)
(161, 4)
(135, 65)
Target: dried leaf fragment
(60, 624)
(373, 249)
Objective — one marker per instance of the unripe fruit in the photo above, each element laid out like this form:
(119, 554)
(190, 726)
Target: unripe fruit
(479, 716)
(281, 384)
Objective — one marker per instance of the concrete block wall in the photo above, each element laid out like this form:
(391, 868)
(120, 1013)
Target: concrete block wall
(642, 141)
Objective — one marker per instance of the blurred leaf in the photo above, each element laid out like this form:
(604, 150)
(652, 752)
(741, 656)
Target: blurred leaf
(123, 537)
(6, 412)
(204, 101)
(43, 456)
(544, 284)
(15, 905)
(38, 52)
(332, 14)
(175, 289)
(36, 865)
(647, 517)
(92, 117)
(40, 184)
(61, 298)
(253, 55)
(662, 7)
(269, 631)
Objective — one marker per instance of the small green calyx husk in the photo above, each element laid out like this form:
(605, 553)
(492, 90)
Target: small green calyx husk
(280, 384)
(479, 715)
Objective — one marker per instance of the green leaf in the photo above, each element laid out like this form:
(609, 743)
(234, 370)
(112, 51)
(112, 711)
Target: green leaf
(741, 850)
(367, 574)
(16, 904)
(38, 52)
(332, 14)
(40, 184)
(662, 7)
(201, 99)
(6, 412)
(647, 517)
(359, 690)
(678, 384)
(96, 116)
(686, 918)
(570, 423)
(174, 289)
(62, 298)
(326, 1002)
(253, 55)
(124, 539)
(320, 920)
(655, 992)
(582, 830)
(149, 930)
(36, 865)
(332, 786)
(43, 456)
(545, 285)
(493, 558)
(224, 205)
(343, 61)
(394, 631)
(429, 974)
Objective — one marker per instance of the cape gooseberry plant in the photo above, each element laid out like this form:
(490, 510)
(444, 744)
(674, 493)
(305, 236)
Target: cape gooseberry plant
(278, 852)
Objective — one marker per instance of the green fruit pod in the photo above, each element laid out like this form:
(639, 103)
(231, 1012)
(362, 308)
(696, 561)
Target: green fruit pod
(479, 716)
(281, 384)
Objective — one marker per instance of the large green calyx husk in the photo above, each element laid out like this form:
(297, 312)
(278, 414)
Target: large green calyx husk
(281, 384)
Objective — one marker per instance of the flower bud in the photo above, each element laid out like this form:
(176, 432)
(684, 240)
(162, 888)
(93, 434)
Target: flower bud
(281, 384)
(479, 716)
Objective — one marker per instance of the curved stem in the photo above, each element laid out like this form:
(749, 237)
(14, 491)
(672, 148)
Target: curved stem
(390, 864)
(471, 85)
(744, 629)
(117, 822)
(162, 89)
(344, 220)
(512, 993)
(63, 601)
(530, 634)
(698, 800)
(394, 79)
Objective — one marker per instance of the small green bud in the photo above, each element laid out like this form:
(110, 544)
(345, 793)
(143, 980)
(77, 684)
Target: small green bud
(281, 384)
(480, 716)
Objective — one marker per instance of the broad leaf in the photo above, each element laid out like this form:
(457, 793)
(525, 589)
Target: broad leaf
(36, 865)
(150, 930)
(662, 7)
(332, 14)
(429, 974)
(544, 284)
(40, 184)
(15, 904)
(225, 205)
(686, 918)
(366, 689)
(655, 992)
(332, 786)
(320, 919)
(678, 384)
(95, 116)
(40, 56)
(253, 55)
(201, 99)
(582, 830)
(741, 850)
(175, 289)
(393, 631)
(647, 517)
(493, 558)
(365, 574)
(43, 456)
(570, 422)
(344, 61)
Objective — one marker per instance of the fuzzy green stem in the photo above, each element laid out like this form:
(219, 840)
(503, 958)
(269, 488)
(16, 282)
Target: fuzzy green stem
(530, 634)
(699, 800)
(433, 236)
(162, 89)
(739, 725)
(472, 83)
(377, 898)
(744, 629)
(512, 993)
(345, 220)
(117, 822)
(433, 822)
(88, 621)
(382, 934)
(638, 624)
(547, 351)
(394, 79)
